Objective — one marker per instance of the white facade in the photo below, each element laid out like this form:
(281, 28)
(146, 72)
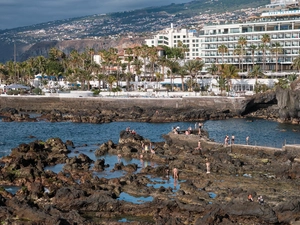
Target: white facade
(281, 3)
(286, 32)
(283, 27)
(171, 36)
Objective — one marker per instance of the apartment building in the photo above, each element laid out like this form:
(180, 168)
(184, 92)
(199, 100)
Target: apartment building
(283, 27)
(284, 30)
(172, 36)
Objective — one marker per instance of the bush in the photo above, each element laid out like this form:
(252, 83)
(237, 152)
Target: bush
(37, 91)
(12, 92)
(96, 92)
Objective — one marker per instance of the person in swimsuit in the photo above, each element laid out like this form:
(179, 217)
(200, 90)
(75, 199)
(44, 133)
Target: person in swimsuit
(175, 173)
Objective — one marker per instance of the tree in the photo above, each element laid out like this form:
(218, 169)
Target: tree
(174, 67)
(213, 69)
(230, 71)
(264, 46)
(153, 57)
(242, 42)
(193, 67)
(276, 49)
(111, 79)
(222, 83)
(182, 72)
(190, 84)
(296, 63)
(222, 49)
(256, 72)
(253, 48)
(238, 51)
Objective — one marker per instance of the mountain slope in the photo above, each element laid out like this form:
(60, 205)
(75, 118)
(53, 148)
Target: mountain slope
(117, 24)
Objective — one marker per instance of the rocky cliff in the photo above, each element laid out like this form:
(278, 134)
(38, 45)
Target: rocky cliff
(42, 48)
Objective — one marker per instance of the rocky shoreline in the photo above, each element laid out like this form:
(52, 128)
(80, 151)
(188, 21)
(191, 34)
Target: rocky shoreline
(280, 105)
(76, 196)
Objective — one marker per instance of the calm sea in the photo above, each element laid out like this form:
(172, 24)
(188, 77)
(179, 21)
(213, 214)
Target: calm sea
(261, 132)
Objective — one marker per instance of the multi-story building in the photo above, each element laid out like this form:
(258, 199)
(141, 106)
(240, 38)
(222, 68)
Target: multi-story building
(171, 37)
(283, 28)
(284, 31)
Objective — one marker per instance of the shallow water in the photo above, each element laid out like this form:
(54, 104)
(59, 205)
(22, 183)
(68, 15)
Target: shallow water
(166, 182)
(12, 189)
(261, 132)
(136, 200)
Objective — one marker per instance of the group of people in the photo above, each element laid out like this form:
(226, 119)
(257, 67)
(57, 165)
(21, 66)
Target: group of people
(199, 126)
(130, 131)
(146, 148)
(228, 141)
(259, 199)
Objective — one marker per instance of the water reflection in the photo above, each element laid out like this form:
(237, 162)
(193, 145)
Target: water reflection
(136, 200)
(166, 182)
(56, 168)
(12, 189)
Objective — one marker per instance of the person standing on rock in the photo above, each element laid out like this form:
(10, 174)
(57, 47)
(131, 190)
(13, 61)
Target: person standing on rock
(175, 173)
(207, 165)
(199, 146)
(250, 198)
(226, 140)
(247, 140)
(200, 127)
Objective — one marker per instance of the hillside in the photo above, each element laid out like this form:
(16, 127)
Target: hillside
(129, 23)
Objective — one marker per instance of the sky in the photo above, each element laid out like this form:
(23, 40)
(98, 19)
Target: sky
(19, 13)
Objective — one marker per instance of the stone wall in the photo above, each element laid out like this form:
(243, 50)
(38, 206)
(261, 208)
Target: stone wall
(32, 103)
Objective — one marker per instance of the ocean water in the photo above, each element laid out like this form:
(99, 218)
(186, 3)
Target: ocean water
(260, 132)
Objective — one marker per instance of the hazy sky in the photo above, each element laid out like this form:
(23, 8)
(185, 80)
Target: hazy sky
(18, 13)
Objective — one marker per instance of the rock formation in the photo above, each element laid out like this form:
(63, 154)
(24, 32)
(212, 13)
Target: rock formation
(76, 196)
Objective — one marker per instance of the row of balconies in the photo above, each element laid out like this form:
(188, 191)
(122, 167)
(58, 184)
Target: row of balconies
(286, 60)
(215, 47)
(250, 54)
(236, 38)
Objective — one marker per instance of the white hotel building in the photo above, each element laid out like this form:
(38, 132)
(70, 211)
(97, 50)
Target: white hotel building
(282, 26)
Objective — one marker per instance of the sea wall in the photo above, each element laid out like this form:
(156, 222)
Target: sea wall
(191, 141)
(33, 103)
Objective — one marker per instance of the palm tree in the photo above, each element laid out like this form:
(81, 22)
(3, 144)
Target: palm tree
(144, 54)
(162, 61)
(99, 77)
(242, 42)
(238, 51)
(138, 64)
(256, 72)
(158, 76)
(222, 83)
(153, 57)
(183, 48)
(230, 71)
(190, 83)
(174, 67)
(265, 40)
(111, 79)
(296, 63)
(222, 49)
(182, 72)
(129, 58)
(193, 66)
(276, 49)
(213, 69)
(252, 49)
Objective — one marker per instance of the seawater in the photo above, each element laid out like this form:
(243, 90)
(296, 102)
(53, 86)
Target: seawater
(261, 132)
